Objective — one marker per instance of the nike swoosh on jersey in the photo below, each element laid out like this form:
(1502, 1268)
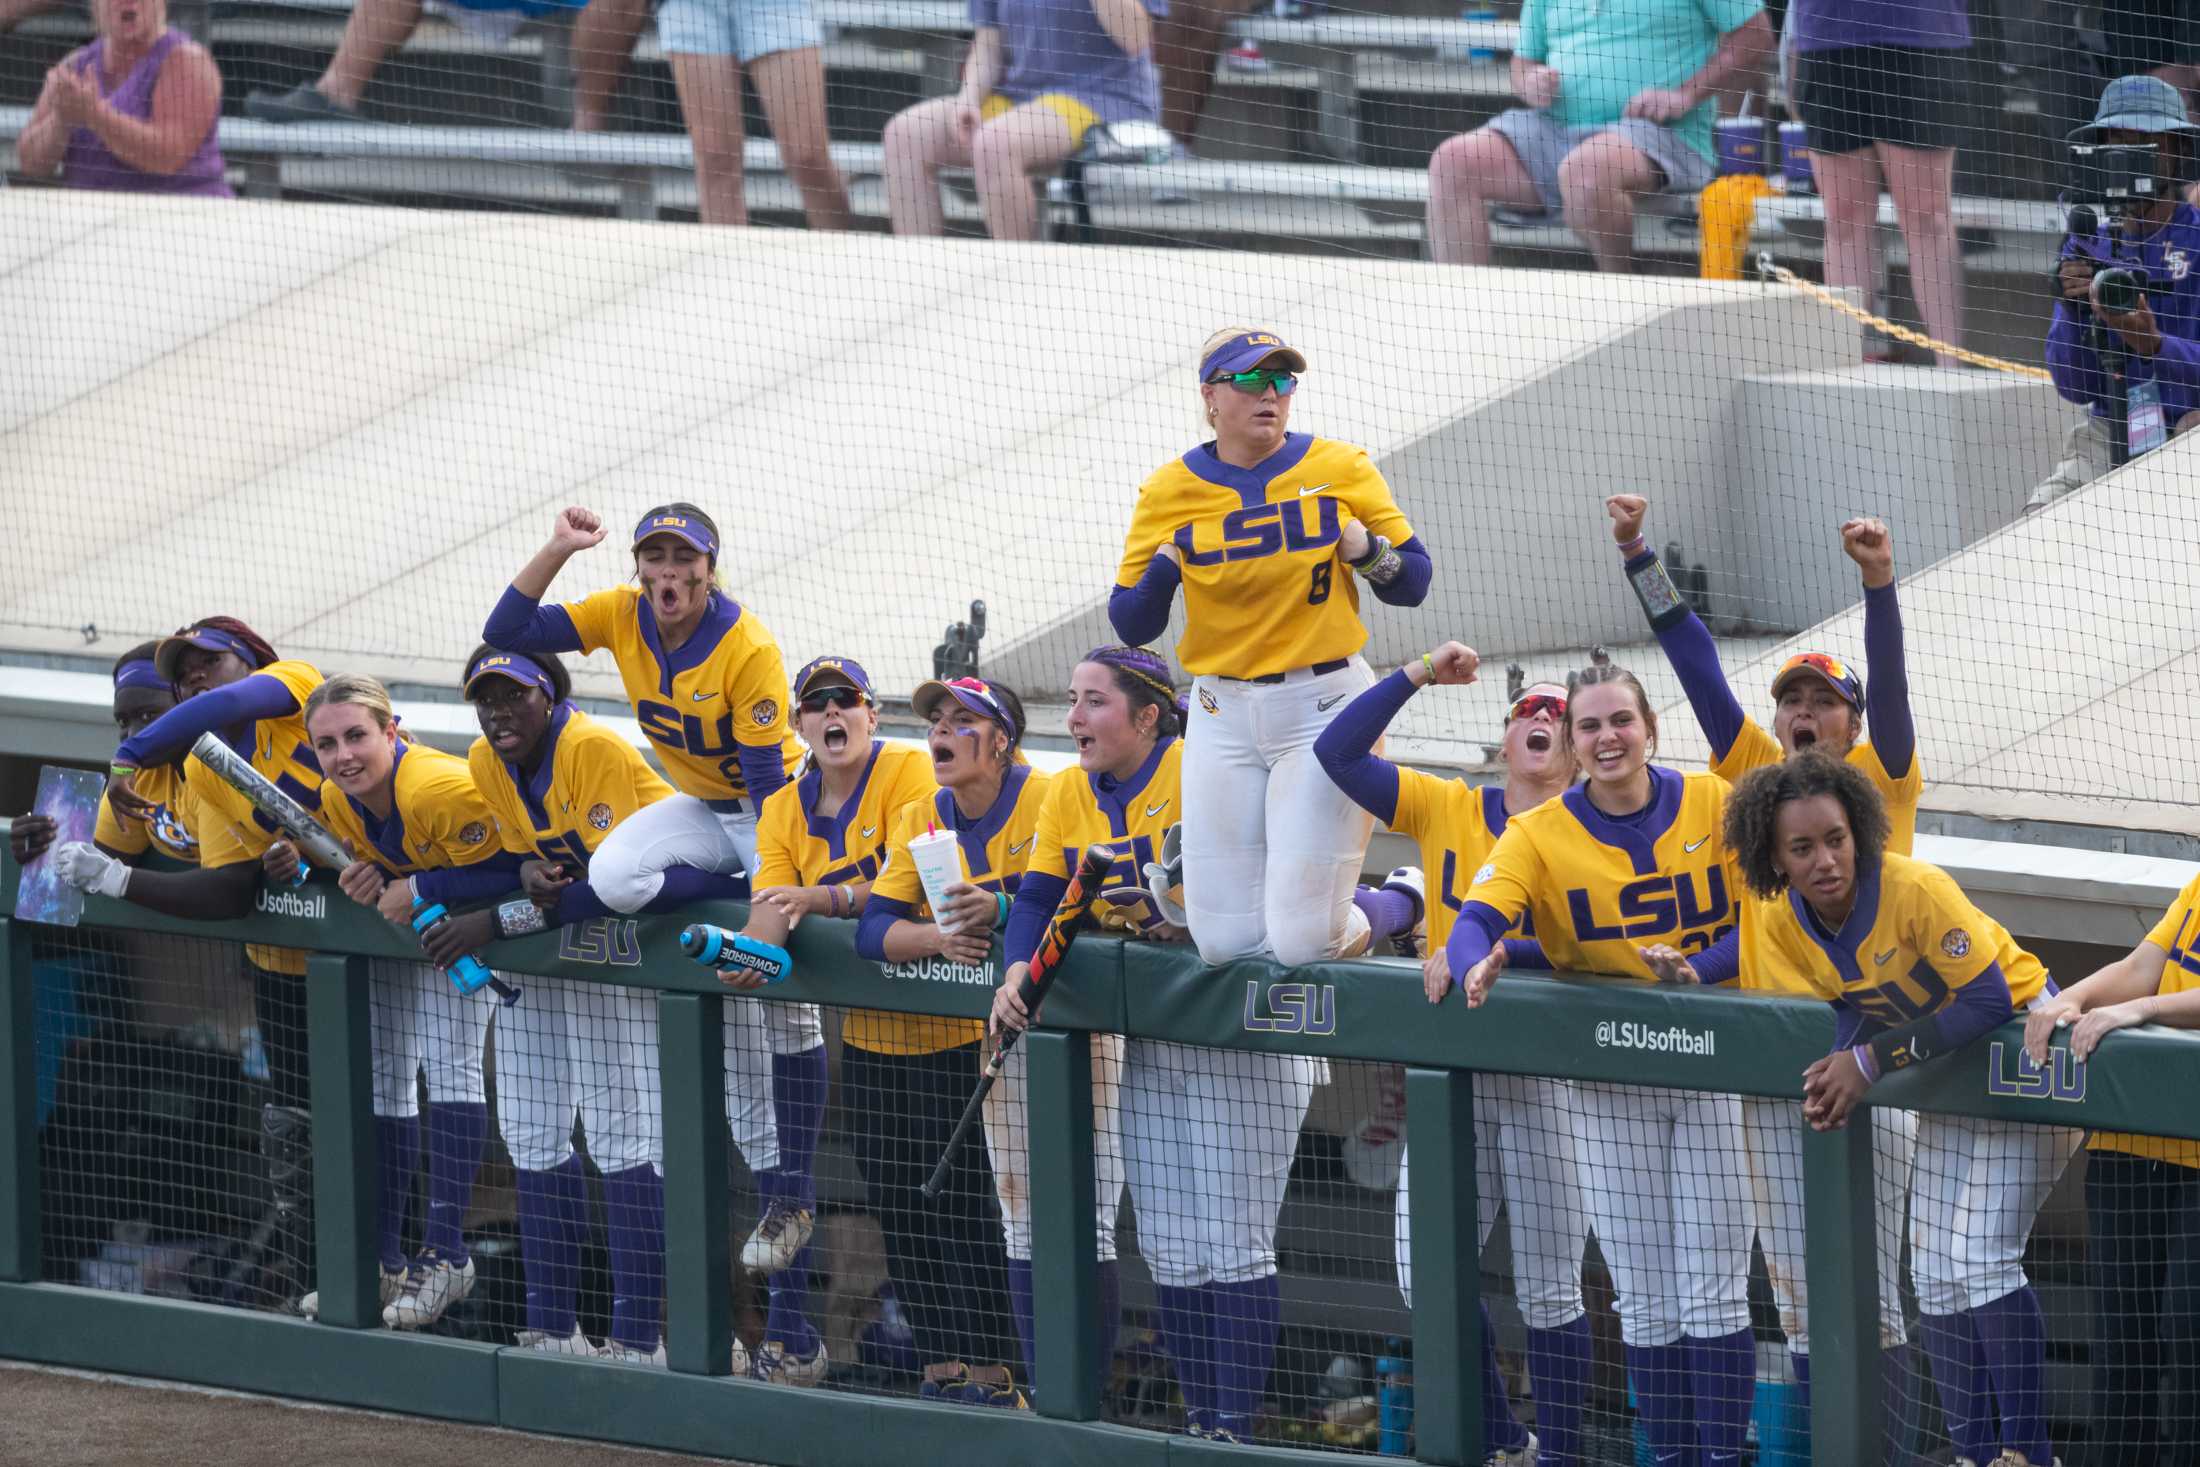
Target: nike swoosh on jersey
(1878, 958)
(702, 697)
(1699, 840)
(1153, 810)
(1323, 705)
(869, 831)
(1318, 488)
(1017, 848)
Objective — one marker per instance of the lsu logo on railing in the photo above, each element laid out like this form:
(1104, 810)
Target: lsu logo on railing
(611, 941)
(1290, 1008)
(1658, 906)
(2011, 1072)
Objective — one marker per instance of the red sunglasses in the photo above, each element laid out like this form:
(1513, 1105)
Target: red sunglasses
(1528, 705)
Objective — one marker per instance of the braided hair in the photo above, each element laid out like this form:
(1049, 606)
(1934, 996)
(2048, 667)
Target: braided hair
(1143, 677)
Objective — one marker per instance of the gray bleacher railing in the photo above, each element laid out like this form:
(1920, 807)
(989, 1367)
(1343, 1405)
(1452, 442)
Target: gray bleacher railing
(1575, 1028)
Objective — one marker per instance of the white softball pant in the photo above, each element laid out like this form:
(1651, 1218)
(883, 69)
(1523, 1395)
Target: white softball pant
(1976, 1189)
(1524, 1160)
(1665, 1194)
(1272, 848)
(1208, 1135)
(587, 1047)
(423, 1025)
(1008, 1143)
(1773, 1130)
(627, 870)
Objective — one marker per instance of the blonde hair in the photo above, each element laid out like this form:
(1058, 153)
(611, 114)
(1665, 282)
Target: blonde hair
(356, 688)
(1206, 413)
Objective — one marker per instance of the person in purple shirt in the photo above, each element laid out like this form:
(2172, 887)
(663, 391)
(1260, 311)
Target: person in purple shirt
(1875, 82)
(2161, 335)
(1040, 75)
(134, 111)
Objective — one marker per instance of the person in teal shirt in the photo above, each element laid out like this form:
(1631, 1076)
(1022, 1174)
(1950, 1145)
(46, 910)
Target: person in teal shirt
(1619, 104)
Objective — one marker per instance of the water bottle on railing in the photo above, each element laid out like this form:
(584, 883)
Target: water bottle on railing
(468, 974)
(1394, 1399)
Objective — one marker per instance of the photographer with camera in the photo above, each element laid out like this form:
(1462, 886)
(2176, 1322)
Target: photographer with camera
(2126, 335)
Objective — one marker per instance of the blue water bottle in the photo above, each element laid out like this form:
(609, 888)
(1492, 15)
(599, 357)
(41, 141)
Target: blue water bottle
(1394, 1399)
(468, 974)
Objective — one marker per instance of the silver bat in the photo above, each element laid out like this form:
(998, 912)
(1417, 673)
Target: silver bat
(236, 771)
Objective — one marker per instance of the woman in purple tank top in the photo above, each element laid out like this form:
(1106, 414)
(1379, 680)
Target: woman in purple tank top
(135, 110)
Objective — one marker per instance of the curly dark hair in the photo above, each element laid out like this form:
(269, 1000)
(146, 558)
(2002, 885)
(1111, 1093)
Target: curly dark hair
(1752, 813)
(561, 681)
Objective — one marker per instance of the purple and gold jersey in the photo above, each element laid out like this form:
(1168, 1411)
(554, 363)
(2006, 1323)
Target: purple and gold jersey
(587, 781)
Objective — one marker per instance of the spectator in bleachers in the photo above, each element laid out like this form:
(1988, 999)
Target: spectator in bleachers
(2162, 335)
(1876, 84)
(1619, 105)
(1186, 43)
(134, 111)
(1039, 76)
(603, 34)
(709, 43)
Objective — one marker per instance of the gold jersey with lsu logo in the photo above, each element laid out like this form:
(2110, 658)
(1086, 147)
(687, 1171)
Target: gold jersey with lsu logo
(438, 821)
(1265, 588)
(1130, 817)
(2177, 935)
(1456, 825)
(172, 829)
(587, 779)
(1599, 888)
(723, 689)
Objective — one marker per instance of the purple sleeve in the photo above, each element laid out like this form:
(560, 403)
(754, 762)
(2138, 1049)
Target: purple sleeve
(1410, 586)
(1887, 697)
(171, 735)
(1526, 952)
(763, 769)
(1695, 657)
(1346, 747)
(463, 886)
(523, 624)
(1037, 895)
(1848, 1025)
(2070, 360)
(1722, 961)
(2178, 363)
(1978, 1007)
(985, 13)
(1140, 613)
(879, 913)
(1480, 927)
(684, 885)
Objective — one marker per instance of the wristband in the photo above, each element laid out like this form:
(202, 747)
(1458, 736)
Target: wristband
(1429, 663)
(1000, 915)
(1661, 600)
(832, 901)
(1634, 547)
(518, 918)
(1381, 565)
(124, 770)
(1899, 1048)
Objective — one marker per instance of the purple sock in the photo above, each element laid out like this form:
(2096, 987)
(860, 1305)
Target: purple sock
(456, 1131)
(798, 1106)
(634, 1215)
(1898, 1402)
(553, 1217)
(1800, 1364)
(787, 1318)
(1019, 1304)
(1388, 913)
(398, 1140)
(1246, 1318)
(1664, 1402)
(1959, 1379)
(1111, 1320)
(2013, 1334)
(1725, 1371)
(1185, 1331)
(1501, 1430)
(1558, 1369)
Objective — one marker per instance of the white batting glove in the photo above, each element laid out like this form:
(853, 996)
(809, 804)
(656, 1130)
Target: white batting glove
(87, 868)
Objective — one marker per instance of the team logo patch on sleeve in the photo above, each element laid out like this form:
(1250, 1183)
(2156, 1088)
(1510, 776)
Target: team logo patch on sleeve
(1955, 942)
(600, 816)
(474, 833)
(1487, 873)
(765, 713)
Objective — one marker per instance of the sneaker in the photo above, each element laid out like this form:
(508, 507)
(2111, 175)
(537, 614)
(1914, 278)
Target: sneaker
(1246, 56)
(654, 1360)
(433, 1286)
(393, 1284)
(303, 103)
(548, 1342)
(944, 1380)
(1174, 193)
(1413, 942)
(1521, 1456)
(774, 1366)
(1228, 1427)
(779, 1236)
(740, 1359)
(2085, 458)
(991, 1385)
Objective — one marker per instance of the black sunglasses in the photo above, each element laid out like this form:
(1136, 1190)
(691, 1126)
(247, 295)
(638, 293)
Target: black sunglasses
(834, 697)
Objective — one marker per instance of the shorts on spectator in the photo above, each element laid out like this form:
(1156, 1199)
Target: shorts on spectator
(746, 29)
(1081, 119)
(1856, 96)
(1543, 144)
(2145, 34)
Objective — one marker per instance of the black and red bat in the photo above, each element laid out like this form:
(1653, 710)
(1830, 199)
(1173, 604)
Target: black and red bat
(1071, 916)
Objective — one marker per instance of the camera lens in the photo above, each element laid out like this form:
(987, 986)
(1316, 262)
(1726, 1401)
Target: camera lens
(2119, 290)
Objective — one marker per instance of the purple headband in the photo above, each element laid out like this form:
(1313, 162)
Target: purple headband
(140, 672)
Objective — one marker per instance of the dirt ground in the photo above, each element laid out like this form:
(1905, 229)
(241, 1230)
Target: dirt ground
(72, 1418)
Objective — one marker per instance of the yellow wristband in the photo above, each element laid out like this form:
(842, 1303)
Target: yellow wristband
(1430, 665)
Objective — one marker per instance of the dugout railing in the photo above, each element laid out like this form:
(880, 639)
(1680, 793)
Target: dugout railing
(1374, 1011)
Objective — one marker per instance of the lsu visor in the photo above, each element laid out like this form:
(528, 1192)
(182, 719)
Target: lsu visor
(1247, 350)
(140, 672)
(973, 693)
(168, 658)
(683, 526)
(522, 670)
(1831, 670)
(826, 672)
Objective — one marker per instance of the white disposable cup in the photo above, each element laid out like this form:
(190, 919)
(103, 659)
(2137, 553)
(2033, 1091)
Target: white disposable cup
(939, 862)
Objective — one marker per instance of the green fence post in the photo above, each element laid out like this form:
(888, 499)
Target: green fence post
(691, 1066)
(1842, 1273)
(18, 1106)
(346, 1160)
(1447, 1268)
(1062, 1225)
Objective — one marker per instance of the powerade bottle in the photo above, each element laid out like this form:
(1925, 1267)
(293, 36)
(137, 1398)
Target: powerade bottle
(468, 974)
(1394, 1399)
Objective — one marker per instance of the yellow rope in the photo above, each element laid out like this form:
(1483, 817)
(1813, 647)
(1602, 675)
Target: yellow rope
(1825, 297)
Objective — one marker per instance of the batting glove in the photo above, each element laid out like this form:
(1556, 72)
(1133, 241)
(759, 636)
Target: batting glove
(87, 868)
(1129, 909)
